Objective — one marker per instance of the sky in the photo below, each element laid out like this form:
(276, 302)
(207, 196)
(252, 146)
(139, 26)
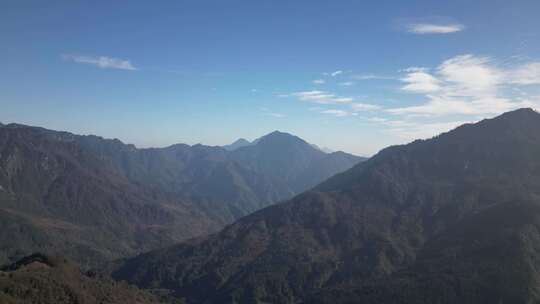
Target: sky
(355, 76)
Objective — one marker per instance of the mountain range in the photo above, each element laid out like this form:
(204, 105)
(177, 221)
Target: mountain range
(452, 219)
(94, 199)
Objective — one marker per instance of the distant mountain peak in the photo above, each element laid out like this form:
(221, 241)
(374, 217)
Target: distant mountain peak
(241, 142)
(280, 137)
(277, 133)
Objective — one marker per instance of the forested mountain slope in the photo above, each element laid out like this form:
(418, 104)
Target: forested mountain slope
(453, 219)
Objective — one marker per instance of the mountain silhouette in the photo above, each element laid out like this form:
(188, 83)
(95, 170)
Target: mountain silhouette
(94, 199)
(452, 219)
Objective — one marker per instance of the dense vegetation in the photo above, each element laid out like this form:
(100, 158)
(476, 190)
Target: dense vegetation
(41, 279)
(453, 219)
(94, 199)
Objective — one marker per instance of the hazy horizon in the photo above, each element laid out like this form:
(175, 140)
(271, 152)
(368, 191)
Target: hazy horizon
(355, 77)
(251, 140)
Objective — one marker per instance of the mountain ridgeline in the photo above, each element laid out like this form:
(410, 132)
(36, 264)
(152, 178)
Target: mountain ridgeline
(453, 219)
(94, 199)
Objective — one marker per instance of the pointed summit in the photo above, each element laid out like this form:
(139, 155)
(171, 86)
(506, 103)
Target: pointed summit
(280, 138)
(239, 143)
(292, 161)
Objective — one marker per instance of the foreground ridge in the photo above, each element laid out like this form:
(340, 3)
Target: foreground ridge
(54, 280)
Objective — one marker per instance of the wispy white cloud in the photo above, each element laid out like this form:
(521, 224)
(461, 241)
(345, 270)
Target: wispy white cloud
(467, 85)
(370, 77)
(469, 75)
(319, 81)
(414, 69)
(364, 107)
(377, 119)
(336, 112)
(336, 73)
(430, 28)
(321, 97)
(342, 100)
(459, 90)
(527, 74)
(420, 81)
(442, 105)
(103, 62)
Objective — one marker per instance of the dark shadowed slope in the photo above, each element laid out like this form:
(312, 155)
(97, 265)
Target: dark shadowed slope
(452, 220)
(95, 199)
(53, 280)
(489, 257)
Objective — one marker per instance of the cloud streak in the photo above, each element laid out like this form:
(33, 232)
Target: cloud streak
(527, 74)
(460, 90)
(467, 85)
(102, 62)
(321, 97)
(420, 81)
(336, 112)
(430, 28)
(371, 77)
(364, 107)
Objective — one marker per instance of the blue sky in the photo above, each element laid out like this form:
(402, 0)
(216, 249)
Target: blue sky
(349, 75)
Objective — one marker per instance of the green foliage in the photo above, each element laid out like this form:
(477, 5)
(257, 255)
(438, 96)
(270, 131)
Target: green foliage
(96, 200)
(40, 279)
(454, 219)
